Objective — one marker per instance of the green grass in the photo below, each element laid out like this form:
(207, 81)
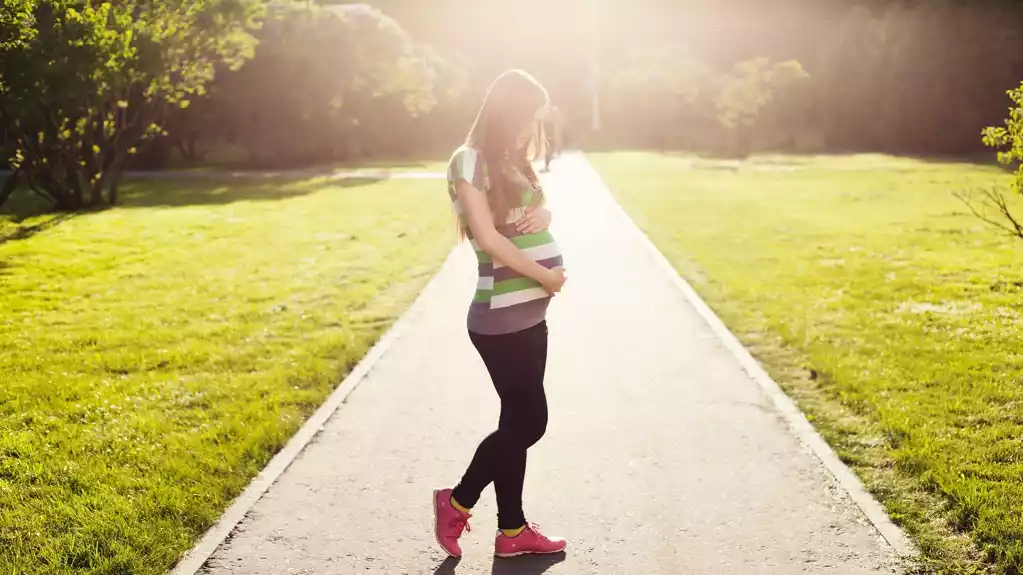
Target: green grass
(232, 157)
(24, 214)
(891, 316)
(155, 356)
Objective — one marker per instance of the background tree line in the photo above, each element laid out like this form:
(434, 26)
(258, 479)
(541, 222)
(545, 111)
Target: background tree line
(913, 77)
(89, 87)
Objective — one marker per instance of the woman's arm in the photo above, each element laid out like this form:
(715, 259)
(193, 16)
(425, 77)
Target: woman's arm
(498, 247)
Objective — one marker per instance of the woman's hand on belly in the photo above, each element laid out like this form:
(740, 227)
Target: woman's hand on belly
(537, 219)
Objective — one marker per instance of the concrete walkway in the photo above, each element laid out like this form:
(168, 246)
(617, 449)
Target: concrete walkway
(662, 455)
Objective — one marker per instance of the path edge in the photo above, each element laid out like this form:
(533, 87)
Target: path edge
(785, 406)
(195, 560)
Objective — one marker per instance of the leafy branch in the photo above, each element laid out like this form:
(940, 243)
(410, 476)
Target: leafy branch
(992, 200)
(1008, 136)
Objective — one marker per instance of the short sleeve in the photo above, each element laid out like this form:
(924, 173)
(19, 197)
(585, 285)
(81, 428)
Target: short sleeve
(467, 164)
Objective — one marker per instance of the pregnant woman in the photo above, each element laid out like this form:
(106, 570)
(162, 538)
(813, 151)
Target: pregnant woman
(499, 203)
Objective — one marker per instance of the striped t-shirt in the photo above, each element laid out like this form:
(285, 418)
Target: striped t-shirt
(505, 301)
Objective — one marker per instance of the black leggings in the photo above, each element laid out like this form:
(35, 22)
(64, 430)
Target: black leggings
(516, 363)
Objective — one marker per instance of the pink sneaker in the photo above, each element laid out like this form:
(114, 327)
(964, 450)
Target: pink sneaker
(448, 522)
(529, 542)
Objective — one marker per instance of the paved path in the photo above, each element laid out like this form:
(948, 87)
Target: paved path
(662, 455)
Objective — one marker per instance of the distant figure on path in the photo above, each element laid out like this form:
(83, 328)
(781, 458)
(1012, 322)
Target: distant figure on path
(499, 202)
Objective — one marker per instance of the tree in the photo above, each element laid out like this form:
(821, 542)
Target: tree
(16, 28)
(661, 94)
(1009, 136)
(191, 130)
(16, 24)
(747, 91)
(322, 81)
(431, 113)
(96, 80)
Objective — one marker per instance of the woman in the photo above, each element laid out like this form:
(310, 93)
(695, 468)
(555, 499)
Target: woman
(498, 199)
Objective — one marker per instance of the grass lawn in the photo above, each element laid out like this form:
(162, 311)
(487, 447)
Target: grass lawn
(155, 356)
(892, 317)
(232, 157)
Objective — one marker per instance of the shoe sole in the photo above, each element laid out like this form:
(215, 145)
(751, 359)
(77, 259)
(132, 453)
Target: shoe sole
(436, 534)
(521, 553)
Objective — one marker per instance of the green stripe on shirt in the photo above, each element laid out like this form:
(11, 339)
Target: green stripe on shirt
(508, 286)
(533, 240)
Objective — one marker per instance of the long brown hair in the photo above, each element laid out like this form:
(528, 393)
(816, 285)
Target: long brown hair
(512, 101)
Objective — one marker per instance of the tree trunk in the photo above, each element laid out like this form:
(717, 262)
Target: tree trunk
(61, 202)
(74, 184)
(186, 154)
(96, 185)
(116, 170)
(96, 196)
(112, 193)
(190, 148)
(10, 184)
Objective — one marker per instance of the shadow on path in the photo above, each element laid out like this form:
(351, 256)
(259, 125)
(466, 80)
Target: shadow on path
(527, 565)
(447, 567)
